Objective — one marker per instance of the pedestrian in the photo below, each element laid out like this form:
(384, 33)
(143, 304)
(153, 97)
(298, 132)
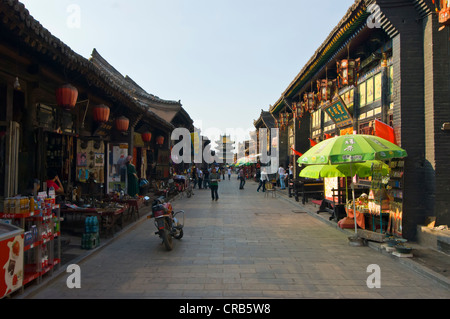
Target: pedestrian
(200, 178)
(194, 176)
(133, 179)
(229, 173)
(281, 176)
(242, 178)
(206, 178)
(223, 173)
(214, 178)
(262, 180)
(291, 171)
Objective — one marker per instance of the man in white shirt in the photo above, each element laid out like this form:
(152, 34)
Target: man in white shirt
(262, 180)
(281, 176)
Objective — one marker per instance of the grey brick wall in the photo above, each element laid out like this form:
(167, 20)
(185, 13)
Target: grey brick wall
(409, 123)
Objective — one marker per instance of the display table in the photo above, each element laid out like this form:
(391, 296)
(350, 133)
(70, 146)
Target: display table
(133, 206)
(108, 217)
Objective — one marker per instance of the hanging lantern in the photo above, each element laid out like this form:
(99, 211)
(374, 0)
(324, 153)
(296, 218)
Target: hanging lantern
(66, 96)
(146, 137)
(348, 72)
(160, 140)
(101, 113)
(325, 89)
(122, 124)
(309, 100)
(297, 108)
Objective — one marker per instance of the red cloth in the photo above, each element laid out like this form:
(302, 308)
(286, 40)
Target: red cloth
(51, 183)
(359, 218)
(385, 131)
(295, 152)
(312, 142)
(327, 136)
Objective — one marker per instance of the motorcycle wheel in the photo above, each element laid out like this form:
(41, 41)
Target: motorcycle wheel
(166, 237)
(180, 235)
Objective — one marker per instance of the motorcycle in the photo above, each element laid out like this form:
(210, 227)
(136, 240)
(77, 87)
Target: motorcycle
(166, 221)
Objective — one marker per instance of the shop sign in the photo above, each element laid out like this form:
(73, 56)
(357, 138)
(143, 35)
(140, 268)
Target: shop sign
(338, 112)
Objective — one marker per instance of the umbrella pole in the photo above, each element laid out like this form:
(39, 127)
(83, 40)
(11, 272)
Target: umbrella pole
(354, 204)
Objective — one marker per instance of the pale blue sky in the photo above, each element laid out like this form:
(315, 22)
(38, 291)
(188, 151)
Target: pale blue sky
(225, 60)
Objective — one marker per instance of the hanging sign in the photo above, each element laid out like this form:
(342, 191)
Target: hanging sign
(338, 112)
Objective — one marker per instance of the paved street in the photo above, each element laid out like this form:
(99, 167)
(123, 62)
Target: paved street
(243, 246)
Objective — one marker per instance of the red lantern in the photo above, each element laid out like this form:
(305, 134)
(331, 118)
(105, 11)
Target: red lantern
(122, 124)
(160, 140)
(101, 113)
(146, 137)
(66, 96)
(348, 72)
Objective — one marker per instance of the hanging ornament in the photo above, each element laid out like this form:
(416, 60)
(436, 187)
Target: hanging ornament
(348, 72)
(66, 96)
(122, 124)
(160, 140)
(101, 113)
(146, 137)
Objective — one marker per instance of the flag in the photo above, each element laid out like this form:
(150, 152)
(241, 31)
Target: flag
(384, 131)
(312, 142)
(327, 136)
(295, 152)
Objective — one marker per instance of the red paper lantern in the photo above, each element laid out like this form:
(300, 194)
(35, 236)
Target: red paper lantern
(101, 113)
(146, 137)
(66, 96)
(122, 124)
(160, 140)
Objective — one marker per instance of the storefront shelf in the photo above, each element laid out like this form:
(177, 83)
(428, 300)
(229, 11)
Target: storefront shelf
(31, 273)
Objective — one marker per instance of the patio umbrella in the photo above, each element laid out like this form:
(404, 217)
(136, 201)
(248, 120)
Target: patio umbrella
(244, 161)
(343, 170)
(351, 149)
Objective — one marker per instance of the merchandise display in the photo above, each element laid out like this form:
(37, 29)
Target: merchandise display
(37, 250)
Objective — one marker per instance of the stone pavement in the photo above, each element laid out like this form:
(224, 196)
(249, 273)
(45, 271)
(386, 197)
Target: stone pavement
(245, 246)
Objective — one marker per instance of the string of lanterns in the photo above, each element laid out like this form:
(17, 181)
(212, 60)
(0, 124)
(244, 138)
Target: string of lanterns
(67, 96)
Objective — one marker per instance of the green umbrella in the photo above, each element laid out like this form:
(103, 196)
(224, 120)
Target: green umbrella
(244, 161)
(351, 149)
(343, 170)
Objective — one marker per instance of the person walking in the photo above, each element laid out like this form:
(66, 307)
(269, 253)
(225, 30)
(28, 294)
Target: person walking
(262, 180)
(206, 178)
(281, 176)
(214, 179)
(242, 178)
(200, 178)
(229, 173)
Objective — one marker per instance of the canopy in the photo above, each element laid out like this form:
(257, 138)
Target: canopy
(343, 170)
(351, 149)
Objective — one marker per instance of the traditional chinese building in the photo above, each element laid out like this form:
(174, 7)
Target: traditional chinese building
(385, 65)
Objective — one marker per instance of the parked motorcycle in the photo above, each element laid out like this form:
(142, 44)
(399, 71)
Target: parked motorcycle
(166, 221)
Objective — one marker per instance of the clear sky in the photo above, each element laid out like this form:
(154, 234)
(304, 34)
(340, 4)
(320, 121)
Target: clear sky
(224, 59)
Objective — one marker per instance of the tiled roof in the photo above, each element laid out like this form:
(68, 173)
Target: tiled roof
(16, 20)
